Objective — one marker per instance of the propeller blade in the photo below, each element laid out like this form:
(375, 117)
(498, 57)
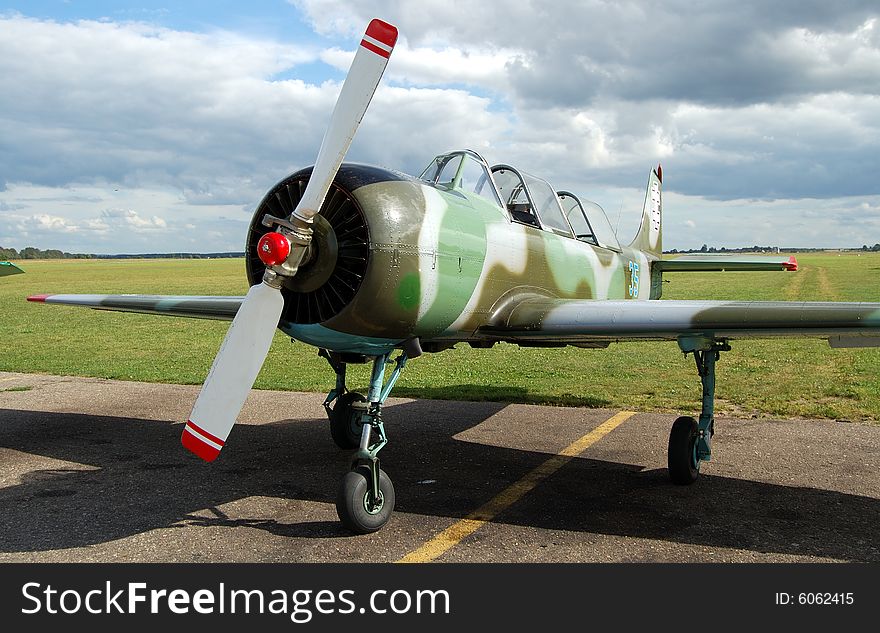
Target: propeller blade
(234, 371)
(247, 343)
(357, 92)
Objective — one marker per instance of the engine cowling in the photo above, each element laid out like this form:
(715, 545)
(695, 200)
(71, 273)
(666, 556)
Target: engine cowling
(363, 273)
(337, 259)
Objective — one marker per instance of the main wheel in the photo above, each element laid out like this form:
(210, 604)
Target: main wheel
(345, 422)
(682, 457)
(355, 505)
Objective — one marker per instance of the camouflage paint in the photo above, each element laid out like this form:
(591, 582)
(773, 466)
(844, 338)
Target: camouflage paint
(444, 264)
(457, 224)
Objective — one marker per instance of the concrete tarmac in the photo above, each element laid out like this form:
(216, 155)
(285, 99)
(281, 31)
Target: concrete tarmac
(93, 470)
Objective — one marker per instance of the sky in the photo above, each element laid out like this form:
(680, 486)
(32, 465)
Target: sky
(142, 126)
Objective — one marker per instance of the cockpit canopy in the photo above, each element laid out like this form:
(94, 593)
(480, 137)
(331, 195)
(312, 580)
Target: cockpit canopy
(527, 199)
(465, 170)
(589, 221)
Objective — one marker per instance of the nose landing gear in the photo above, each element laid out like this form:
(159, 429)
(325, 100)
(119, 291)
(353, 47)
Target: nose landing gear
(366, 496)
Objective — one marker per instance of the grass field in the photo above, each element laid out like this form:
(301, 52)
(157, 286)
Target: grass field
(794, 377)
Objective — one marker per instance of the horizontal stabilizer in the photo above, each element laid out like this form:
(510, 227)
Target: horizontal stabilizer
(8, 268)
(707, 263)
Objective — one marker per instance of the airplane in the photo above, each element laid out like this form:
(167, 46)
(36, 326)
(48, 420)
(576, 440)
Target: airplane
(365, 263)
(8, 268)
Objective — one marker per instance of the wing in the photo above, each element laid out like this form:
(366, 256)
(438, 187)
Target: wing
(590, 321)
(207, 307)
(704, 263)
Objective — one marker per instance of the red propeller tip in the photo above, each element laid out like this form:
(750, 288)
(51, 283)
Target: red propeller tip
(382, 31)
(380, 38)
(273, 249)
(200, 442)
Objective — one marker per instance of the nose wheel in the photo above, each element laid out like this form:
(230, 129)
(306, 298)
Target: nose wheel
(358, 508)
(366, 495)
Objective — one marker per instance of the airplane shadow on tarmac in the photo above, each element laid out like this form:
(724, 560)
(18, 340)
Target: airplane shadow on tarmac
(146, 480)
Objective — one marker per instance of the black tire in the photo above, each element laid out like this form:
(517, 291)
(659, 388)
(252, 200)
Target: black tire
(344, 429)
(351, 504)
(684, 467)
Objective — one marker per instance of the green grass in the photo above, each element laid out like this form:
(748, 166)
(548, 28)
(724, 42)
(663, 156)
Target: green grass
(791, 377)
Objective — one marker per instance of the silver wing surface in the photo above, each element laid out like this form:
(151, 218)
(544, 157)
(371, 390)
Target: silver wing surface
(544, 320)
(206, 307)
(586, 321)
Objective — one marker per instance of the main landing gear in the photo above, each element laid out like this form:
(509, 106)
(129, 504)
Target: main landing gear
(690, 441)
(366, 496)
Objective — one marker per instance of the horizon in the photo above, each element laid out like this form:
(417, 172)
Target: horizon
(233, 254)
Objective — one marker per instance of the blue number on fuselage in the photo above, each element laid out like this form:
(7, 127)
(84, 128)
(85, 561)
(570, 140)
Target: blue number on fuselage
(633, 279)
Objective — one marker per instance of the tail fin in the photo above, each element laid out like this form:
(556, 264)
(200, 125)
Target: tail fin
(649, 239)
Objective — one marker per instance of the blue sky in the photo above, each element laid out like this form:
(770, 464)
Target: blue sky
(261, 18)
(149, 126)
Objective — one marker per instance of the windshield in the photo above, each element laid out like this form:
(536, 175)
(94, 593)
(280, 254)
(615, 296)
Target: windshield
(465, 171)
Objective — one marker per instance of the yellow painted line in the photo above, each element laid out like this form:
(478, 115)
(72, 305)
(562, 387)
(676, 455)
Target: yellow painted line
(454, 534)
(8, 379)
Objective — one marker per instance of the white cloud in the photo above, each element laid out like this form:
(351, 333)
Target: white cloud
(449, 65)
(94, 219)
(43, 222)
(833, 223)
(129, 219)
(597, 91)
(171, 129)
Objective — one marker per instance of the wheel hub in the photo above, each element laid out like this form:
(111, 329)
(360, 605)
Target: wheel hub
(373, 506)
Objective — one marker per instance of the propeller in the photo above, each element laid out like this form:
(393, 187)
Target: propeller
(249, 337)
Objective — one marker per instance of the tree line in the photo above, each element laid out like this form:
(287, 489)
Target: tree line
(31, 252)
(766, 249)
(36, 253)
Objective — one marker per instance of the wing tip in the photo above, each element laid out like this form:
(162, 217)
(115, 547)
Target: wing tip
(38, 298)
(791, 264)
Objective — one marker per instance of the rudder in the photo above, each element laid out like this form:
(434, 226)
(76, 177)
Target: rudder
(649, 238)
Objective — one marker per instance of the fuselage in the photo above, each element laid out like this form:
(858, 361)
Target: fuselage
(443, 264)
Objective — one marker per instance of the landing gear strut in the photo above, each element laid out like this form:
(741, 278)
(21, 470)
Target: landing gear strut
(690, 441)
(345, 422)
(366, 496)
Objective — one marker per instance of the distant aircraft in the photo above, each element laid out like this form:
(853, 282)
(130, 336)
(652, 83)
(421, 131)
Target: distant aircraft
(8, 268)
(360, 261)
